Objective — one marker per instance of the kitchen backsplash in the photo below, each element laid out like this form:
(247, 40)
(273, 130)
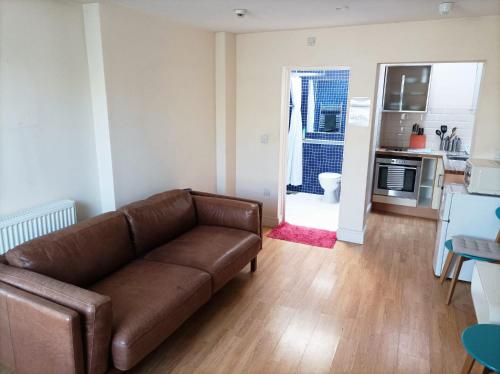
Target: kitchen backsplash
(395, 131)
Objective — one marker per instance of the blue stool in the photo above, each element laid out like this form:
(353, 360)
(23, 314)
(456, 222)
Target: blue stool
(482, 343)
(462, 257)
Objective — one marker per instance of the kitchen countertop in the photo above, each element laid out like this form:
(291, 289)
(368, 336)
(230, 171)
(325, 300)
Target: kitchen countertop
(450, 166)
(411, 153)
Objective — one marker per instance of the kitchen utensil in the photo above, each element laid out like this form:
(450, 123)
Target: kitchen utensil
(440, 134)
(453, 144)
(444, 129)
(446, 145)
(420, 131)
(458, 144)
(453, 132)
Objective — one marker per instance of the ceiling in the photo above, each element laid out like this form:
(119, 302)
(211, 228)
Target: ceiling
(267, 15)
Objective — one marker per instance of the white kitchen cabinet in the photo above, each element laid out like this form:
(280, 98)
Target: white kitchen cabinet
(444, 94)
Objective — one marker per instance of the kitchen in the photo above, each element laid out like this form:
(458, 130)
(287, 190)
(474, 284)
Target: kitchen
(423, 134)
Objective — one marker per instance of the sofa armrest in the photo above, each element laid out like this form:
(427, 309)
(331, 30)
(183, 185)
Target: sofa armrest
(220, 210)
(94, 310)
(37, 335)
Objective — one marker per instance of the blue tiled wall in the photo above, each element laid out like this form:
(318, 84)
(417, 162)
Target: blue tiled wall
(331, 88)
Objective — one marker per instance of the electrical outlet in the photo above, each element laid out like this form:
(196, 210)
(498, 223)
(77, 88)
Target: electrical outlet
(264, 138)
(267, 192)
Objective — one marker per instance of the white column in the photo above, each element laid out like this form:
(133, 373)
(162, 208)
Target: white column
(225, 111)
(92, 24)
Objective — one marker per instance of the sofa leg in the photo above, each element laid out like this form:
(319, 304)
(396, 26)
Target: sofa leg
(253, 265)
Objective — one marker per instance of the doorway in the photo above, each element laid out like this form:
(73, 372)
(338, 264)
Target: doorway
(314, 124)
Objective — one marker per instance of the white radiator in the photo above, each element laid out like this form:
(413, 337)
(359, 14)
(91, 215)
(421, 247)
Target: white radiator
(31, 223)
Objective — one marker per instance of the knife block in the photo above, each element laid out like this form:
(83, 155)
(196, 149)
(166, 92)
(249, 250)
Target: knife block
(417, 141)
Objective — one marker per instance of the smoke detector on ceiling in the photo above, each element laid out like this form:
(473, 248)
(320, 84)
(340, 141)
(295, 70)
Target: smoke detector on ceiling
(445, 8)
(240, 12)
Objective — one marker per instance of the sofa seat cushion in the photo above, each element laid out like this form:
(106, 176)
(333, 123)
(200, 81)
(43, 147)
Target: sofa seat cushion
(150, 300)
(220, 251)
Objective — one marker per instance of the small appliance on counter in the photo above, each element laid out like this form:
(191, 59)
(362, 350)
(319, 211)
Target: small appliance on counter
(483, 176)
(462, 213)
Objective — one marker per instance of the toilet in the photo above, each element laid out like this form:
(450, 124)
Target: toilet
(330, 182)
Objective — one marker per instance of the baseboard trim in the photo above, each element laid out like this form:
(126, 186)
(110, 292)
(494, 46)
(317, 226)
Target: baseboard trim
(270, 221)
(351, 236)
(369, 208)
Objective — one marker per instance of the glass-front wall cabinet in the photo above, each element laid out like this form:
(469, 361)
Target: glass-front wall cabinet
(406, 88)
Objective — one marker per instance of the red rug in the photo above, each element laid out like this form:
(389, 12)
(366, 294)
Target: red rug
(304, 235)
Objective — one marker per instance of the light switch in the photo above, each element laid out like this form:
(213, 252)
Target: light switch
(311, 41)
(264, 138)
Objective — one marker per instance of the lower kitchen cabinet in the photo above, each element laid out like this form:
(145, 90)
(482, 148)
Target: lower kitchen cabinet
(431, 182)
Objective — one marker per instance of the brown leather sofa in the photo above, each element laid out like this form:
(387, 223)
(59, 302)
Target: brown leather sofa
(104, 293)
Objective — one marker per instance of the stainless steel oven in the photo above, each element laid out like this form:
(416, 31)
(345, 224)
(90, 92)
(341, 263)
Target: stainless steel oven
(399, 177)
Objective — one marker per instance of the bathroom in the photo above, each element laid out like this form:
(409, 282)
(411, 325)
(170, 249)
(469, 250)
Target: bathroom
(317, 120)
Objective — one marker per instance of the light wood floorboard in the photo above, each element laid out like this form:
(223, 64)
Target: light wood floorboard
(375, 308)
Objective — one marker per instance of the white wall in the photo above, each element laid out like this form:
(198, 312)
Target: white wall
(47, 147)
(262, 56)
(161, 101)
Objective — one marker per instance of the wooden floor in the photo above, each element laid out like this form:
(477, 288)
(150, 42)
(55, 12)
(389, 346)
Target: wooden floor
(375, 308)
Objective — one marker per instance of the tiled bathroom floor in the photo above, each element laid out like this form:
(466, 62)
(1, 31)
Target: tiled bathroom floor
(305, 209)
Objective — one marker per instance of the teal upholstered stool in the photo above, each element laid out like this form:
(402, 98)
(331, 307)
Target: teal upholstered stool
(462, 257)
(482, 343)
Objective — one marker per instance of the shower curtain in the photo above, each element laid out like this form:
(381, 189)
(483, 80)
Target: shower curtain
(311, 106)
(294, 170)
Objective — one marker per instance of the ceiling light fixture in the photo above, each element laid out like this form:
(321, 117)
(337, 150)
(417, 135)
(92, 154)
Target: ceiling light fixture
(342, 8)
(240, 12)
(445, 8)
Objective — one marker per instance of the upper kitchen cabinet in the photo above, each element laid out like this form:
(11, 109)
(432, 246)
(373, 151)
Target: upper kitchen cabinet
(455, 86)
(406, 88)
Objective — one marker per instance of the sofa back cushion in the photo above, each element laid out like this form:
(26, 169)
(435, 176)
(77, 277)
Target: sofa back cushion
(80, 254)
(160, 218)
(228, 212)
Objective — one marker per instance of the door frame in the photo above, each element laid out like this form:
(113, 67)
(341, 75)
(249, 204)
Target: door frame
(285, 119)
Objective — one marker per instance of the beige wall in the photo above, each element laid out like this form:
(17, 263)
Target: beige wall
(161, 102)
(151, 85)
(261, 58)
(47, 149)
